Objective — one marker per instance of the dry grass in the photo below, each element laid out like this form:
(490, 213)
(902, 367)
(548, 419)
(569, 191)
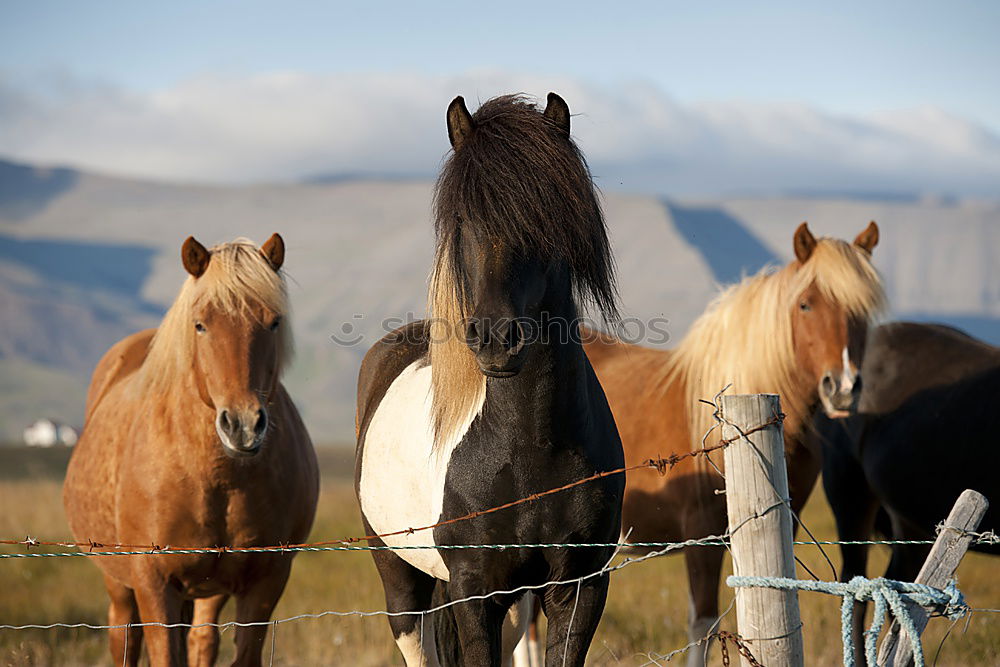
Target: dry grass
(646, 610)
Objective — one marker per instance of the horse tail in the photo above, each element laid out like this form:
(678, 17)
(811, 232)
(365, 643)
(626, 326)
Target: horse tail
(445, 627)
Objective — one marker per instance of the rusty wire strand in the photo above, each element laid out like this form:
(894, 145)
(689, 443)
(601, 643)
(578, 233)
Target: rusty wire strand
(662, 465)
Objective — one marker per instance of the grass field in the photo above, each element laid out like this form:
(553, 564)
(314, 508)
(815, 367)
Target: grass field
(646, 610)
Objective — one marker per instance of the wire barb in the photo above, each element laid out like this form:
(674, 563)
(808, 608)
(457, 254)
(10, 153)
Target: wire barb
(661, 465)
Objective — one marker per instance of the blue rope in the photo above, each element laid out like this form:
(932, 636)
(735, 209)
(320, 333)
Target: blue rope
(888, 596)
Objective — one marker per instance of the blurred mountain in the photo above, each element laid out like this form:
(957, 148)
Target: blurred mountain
(86, 259)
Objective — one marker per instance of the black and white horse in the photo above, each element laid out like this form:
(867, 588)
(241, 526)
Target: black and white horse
(492, 399)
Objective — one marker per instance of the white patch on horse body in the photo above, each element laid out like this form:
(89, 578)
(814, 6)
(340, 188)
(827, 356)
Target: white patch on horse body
(402, 473)
(417, 653)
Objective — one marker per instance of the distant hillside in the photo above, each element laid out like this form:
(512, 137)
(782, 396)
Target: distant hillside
(85, 259)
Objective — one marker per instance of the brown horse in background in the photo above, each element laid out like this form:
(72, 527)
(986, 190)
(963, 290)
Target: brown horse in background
(798, 332)
(191, 440)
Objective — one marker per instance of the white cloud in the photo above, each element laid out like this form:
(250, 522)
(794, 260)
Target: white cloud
(288, 125)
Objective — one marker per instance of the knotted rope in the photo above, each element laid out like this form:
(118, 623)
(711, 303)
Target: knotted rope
(888, 595)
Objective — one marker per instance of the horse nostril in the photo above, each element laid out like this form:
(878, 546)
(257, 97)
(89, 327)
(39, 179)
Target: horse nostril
(261, 424)
(473, 334)
(224, 420)
(515, 338)
(828, 384)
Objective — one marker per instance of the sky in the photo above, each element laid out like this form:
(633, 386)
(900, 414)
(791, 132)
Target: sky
(674, 97)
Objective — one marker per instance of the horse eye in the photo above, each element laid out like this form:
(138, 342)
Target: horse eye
(805, 307)
(199, 327)
(275, 323)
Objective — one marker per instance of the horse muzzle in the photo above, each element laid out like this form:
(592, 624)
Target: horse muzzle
(241, 431)
(499, 346)
(839, 395)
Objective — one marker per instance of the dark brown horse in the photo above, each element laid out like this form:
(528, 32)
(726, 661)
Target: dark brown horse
(925, 430)
(191, 440)
(476, 408)
(798, 332)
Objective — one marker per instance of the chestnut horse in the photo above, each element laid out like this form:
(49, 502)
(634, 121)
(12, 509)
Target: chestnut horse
(798, 332)
(191, 440)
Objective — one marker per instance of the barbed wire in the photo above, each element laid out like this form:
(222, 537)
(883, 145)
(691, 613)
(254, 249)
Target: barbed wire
(977, 538)
(724, 637)
(662, 465)
(608, 568)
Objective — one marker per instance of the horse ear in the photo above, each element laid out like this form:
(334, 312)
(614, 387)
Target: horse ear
(557, 111)
(195, 257)
(460, 124)
(804, 242)
(274, 251)
(868, 239)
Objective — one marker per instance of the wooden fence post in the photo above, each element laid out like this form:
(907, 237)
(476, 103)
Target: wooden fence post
(944, 558)
(761, 526)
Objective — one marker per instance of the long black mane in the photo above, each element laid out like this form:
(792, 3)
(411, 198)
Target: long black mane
(521, 183)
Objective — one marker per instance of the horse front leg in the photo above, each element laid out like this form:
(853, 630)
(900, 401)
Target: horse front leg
(574, 612)
(162, 604)
(122, 611)
(854, 507)
(254, 605)
(203, 642)
(407, 589)
(478, 622)
(704, 567)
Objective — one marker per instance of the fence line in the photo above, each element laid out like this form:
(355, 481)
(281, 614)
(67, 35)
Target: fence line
(721, 635)
(988, 538)
(662, 465)
(606, 569)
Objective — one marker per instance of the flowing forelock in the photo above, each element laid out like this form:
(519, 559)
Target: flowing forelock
(744, 338)
(238, 280)
(517, 182)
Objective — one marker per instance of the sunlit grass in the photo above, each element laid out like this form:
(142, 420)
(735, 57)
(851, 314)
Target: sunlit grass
(646, 611)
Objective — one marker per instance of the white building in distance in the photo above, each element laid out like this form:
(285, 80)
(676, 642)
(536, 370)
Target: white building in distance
(49, 433)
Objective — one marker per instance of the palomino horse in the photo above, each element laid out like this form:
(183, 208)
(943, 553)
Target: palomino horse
(798, 332)
(477, 407)
(191, 440)
(925, 430)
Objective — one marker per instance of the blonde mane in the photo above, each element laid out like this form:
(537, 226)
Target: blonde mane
(458, 386)
(744, 338)
(237, 279)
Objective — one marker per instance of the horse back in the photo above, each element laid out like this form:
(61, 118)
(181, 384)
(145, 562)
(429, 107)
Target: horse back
(905, 358)
(120, 361)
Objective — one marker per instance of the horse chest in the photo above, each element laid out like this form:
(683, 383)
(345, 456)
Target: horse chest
(402, 476)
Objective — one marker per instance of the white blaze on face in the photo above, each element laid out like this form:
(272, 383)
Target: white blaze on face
(402, 476)
(848, 374)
